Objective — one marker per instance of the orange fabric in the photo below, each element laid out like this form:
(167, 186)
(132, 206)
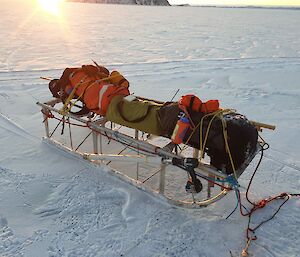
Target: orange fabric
(210, 106)
(90, 89)
(111, 91)
(180, 130)
(192, 102)
(118, 79)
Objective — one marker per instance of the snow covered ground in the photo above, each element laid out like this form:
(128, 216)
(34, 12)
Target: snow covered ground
(54, 205)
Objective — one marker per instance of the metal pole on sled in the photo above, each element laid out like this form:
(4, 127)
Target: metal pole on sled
(97, 143)
(44, 111)
(95, 140)
(162, 177)
(137, 159)
(136, 136)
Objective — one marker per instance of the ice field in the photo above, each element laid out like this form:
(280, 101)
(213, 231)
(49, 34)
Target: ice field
(54, 205)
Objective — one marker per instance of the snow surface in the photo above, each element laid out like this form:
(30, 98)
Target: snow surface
(54, 205)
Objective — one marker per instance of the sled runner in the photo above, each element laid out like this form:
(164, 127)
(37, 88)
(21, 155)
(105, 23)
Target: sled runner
(189, 153)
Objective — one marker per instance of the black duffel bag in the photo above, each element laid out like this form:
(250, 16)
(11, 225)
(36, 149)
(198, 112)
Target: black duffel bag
(242, 136)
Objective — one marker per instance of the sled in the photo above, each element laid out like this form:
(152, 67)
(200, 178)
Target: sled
(150, 163)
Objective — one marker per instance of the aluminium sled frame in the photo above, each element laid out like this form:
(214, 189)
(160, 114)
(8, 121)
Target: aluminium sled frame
(147, 153)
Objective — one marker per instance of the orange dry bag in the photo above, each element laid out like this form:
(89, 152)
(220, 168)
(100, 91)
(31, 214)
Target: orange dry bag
(210, 106)
(117, 78)
(94, 88)
(193, 103)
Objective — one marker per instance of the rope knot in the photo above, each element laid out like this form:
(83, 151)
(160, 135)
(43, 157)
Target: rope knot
(262, 203)
(47, 115)
(282, 195)
(232, 181)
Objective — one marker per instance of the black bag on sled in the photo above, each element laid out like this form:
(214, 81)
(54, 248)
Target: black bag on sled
(242, 136)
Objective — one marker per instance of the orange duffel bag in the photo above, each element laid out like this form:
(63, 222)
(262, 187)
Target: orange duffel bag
(193, 103)
(94, 86)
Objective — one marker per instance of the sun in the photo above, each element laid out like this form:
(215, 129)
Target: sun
(51, 6)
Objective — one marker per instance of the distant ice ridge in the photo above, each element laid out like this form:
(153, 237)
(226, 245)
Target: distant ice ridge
(133, 2)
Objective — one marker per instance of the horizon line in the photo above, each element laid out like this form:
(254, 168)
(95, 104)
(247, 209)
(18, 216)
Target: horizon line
(240, 6)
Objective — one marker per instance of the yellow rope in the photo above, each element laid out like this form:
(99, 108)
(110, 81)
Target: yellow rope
(200, 124)
(64, 109)
(227, 146)
(245, 250)
(202, 147)
(215, 114)
(194, 130)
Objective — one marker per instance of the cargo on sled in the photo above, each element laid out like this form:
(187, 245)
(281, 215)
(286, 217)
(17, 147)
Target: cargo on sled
(189, 152)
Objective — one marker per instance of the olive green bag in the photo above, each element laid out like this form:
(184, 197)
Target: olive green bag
(138, 114)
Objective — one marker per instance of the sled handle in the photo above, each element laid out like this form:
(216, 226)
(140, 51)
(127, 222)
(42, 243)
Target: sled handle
(260, 125)
(46, 78)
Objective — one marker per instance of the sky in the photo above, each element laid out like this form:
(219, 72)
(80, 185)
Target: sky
(202, 2)
(240, 2)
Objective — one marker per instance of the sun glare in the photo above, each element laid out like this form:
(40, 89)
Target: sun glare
(51, 6)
